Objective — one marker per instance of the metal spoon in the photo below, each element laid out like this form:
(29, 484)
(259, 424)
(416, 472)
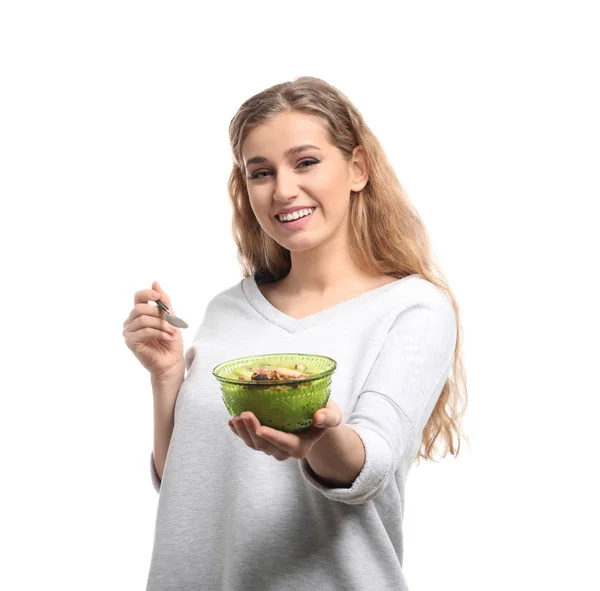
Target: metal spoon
(170, 318)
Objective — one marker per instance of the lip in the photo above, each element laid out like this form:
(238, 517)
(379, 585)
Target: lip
(293, 209)
(295, 224)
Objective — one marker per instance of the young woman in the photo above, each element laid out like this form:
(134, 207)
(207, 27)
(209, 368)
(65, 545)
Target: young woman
(336, 262)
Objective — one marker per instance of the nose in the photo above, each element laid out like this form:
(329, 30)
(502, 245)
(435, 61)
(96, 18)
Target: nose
(286, 187)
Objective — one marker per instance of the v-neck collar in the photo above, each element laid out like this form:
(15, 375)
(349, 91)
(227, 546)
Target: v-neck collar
(275, 316)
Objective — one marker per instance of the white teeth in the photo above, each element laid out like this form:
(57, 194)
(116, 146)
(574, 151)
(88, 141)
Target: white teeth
(296, 215)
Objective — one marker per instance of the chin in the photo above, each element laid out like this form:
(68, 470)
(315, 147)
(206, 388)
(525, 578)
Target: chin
(299, 248)
(301, 243)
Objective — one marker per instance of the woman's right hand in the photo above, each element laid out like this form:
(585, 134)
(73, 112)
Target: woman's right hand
(157, 345)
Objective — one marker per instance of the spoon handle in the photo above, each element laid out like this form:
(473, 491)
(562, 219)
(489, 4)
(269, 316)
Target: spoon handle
(162, 306)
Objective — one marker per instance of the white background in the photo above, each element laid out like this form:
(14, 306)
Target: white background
(114, 160)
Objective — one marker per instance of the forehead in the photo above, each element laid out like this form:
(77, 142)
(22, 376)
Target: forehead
(285, 130)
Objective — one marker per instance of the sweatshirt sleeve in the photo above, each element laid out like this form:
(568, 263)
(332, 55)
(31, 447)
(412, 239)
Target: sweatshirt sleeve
(398, 396)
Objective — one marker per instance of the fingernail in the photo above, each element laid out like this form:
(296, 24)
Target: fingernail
(320, 419)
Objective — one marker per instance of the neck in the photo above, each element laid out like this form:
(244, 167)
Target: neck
(325, 269)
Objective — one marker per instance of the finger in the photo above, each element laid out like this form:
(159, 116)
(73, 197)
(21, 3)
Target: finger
(330, 416)
(243, 432)
(326, 420)
(297, 446)
(252, 424)
(141, 308)
(146, 295)
(142, 297)
(164, 297)
(146, 334)
(146, 316)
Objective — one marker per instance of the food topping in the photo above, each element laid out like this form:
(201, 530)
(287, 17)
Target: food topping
(279, 373)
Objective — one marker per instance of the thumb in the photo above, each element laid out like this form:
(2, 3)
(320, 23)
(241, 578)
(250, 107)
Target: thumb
(164, 297)
(330, 416)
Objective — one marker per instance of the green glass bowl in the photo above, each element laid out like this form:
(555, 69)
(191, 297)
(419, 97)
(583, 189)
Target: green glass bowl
(286, 405)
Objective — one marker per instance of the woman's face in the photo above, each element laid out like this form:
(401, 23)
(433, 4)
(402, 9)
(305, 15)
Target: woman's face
(313, 177)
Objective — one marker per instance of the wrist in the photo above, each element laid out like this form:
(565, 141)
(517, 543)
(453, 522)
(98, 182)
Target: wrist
(338, 457)
(175, 374)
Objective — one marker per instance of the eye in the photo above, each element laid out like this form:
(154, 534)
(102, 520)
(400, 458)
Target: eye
(310, 162)
(259, 173)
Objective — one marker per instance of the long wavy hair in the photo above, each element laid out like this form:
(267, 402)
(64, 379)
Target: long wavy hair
(387, 236)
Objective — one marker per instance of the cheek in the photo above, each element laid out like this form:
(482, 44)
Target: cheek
(258, 203)
(333, 188)
(333, 199)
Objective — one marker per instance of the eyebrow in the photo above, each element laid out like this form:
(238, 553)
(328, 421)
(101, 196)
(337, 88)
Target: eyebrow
(294, 150)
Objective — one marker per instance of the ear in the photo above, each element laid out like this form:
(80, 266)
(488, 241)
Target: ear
(358, 169)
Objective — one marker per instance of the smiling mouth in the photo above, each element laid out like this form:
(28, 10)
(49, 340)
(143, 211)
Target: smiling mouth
(297, 215)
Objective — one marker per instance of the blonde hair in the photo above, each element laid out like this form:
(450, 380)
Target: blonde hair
(387, 236)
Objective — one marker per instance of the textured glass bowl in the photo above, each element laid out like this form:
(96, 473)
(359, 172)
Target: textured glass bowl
(286, 405)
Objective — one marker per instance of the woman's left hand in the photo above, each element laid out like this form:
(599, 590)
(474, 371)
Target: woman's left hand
(283, 445)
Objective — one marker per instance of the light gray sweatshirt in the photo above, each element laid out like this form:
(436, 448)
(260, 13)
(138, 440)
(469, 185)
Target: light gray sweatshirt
(234, 519)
